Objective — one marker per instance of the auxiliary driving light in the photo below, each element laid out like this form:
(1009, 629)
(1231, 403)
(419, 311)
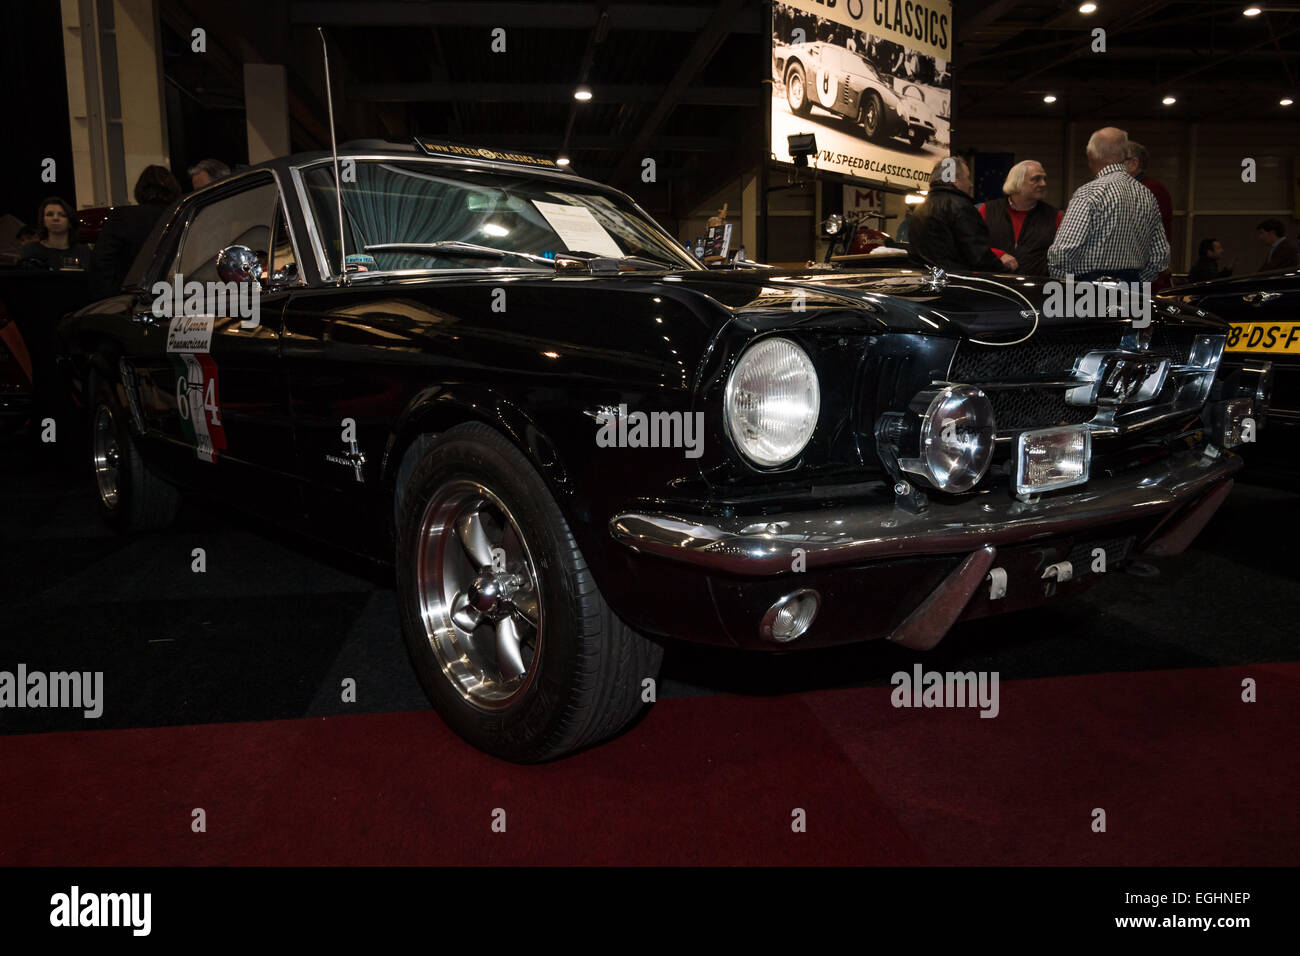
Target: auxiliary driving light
(1051, 458)
(955, 443)
(791, 616)
(1230, 421)
(1255, 382)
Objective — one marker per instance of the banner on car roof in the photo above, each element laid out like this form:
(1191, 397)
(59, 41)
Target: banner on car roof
(870, 79)
(435, 147)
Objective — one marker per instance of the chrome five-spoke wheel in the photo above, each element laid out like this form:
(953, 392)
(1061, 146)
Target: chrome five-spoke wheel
(478, 595)
(106, 457)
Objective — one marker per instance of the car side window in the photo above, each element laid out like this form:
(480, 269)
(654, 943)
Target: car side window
(284, 264)
(244, 219)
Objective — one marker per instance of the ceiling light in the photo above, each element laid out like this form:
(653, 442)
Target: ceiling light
(492, 229)
(1049, 98)
(1087, 8)
(1285, 101)
(561, 160)
(582, 93)
(1169, 101)
(1252, 11)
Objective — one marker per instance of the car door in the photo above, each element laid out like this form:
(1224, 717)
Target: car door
(212, 388)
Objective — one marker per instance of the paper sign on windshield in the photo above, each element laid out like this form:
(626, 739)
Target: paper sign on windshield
(578, 228)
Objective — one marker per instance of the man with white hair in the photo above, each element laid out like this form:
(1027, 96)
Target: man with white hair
(1112, 226)
(1021, 223)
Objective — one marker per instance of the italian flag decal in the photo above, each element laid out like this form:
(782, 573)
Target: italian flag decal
(198, 399)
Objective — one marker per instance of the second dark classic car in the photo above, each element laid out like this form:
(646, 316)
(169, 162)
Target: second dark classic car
(1263, 343)
(575, 443)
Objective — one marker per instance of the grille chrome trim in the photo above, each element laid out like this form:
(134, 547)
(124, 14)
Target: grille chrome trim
(1031, 387)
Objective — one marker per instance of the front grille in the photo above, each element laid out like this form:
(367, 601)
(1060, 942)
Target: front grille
(1020, 408)
(1050, 354)
(1047, 355)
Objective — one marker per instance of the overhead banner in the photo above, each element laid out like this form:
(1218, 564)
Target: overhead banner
(870, 79)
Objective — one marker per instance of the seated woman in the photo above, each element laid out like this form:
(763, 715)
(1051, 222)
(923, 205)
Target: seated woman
(56, 246)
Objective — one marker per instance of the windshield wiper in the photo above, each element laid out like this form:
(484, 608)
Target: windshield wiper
(454, 247)
(594, 263)
(599, 263)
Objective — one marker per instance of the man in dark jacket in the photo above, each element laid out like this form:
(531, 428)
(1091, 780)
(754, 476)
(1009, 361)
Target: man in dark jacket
(1282, 252)
(947, 231)
(127, 227)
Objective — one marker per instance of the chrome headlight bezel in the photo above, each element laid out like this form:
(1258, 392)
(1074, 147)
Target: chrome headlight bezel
(745, 435)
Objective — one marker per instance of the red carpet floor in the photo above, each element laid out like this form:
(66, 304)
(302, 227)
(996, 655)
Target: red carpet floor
(1187, 774)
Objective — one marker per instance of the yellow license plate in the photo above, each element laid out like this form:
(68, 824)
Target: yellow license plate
(1265, 337)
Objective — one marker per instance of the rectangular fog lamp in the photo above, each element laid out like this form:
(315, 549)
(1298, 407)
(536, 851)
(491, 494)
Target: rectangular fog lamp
(1052, 458)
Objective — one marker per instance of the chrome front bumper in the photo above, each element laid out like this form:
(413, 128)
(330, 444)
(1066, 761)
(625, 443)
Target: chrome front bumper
(765, 546)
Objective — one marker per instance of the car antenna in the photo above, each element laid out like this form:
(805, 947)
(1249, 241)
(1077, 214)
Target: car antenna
(334, 149)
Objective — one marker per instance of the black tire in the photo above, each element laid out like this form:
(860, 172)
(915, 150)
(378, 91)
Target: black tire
(139, 499)
(917, 137)
(584, 667)
(796, 82)
(873, 117)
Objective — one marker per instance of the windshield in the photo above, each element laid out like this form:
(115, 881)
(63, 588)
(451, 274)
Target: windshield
(414, 203)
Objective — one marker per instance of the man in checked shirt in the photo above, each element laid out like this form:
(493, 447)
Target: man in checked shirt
(1112, 226)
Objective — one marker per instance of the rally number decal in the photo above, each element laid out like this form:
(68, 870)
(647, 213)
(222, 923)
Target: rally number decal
(828, 88)
(198, 403)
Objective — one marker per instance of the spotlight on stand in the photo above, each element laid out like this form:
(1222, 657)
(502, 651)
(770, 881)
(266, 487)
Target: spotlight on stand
(802, 145)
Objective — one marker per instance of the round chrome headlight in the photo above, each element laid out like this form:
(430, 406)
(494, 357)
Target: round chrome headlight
(956, 439)
(772, 401)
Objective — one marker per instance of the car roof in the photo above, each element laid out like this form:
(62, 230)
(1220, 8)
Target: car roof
(409, 152)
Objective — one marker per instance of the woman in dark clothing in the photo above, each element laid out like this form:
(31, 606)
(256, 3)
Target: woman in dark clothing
(56, 246)
(127, 227)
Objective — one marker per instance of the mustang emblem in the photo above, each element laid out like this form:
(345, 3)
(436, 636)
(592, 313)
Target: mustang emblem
(1117, 378)
(1122, 379)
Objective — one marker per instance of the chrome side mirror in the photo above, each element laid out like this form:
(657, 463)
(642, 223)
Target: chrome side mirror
(239, 264)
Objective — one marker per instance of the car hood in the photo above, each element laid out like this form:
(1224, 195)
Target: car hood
(899, 300)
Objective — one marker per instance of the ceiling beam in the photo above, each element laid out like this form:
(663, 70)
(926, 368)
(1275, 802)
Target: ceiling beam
(1067, 82)
(633, 17)
(467, 91)
(1114, 27)
(598, 34)
(1174, 82)
(968, 26)
(307, 116)
(701, 52)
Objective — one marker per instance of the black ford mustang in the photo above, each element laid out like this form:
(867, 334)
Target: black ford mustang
(574, 442)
